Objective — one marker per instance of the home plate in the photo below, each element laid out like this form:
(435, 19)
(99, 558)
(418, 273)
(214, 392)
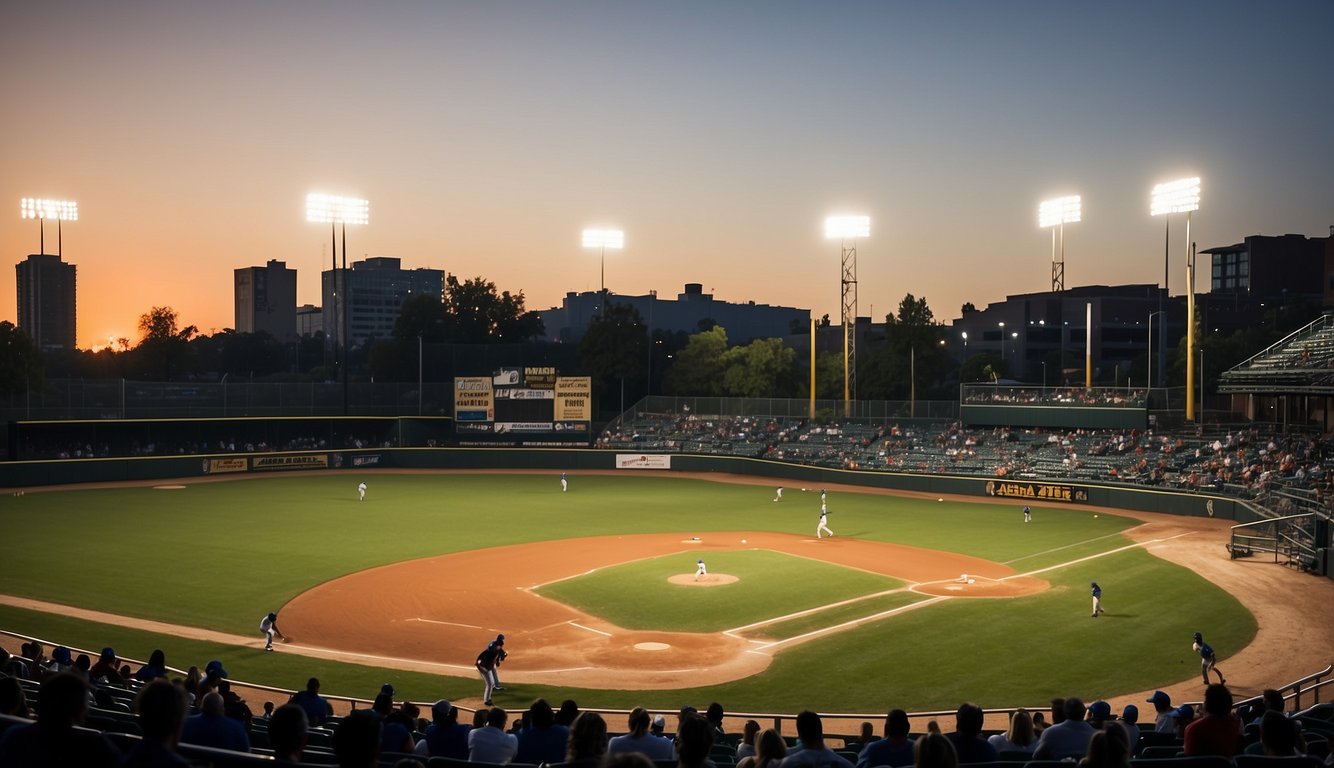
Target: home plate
(651, 646)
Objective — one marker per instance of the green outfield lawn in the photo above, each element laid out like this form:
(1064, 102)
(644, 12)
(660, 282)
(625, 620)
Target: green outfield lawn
(770, 584)
(217, 555)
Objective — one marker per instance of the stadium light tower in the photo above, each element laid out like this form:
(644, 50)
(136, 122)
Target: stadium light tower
(338, 212)
(41, 209)
(1180, 196)
(847, 229)
(1056, 213)
(602, 239)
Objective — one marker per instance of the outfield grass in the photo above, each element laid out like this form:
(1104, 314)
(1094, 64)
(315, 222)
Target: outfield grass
(219, 555)
(770, 584)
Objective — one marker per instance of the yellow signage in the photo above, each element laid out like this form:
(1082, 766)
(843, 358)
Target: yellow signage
(574, 398)
(1036, 491)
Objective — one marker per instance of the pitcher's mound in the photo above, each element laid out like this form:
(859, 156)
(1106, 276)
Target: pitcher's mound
(712, 580)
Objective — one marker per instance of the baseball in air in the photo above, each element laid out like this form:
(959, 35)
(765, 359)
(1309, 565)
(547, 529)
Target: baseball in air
(803, 489)
(1095, 517)
(743, 541)
(940, 499)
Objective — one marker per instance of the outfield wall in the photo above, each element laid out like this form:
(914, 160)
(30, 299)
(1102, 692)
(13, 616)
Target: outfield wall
(27, 474)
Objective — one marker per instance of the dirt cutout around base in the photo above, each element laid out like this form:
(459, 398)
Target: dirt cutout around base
(707, 580)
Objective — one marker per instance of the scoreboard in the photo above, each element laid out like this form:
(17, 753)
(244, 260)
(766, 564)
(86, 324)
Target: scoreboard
(533, 400)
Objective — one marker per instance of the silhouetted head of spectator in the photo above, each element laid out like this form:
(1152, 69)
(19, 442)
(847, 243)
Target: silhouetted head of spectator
(1058, 710)
(968, 720)
(1130, 714)
(1273, 700)
(12, 700)
(896, 724)
(356, 740)
(1217, 700)
(288, 730)
(212, 704)
(313, 685)
(588, 737)
(770, 747)
(810, 729)
(496, 717)
(62, 702)
(694, 740)
(714, 714)
(933, 750)
(1074, 709)
(568, 712)
(161, 707)
(637, 721)
(157, 658)
(540, 715)
(444, 713)
(1278, 734)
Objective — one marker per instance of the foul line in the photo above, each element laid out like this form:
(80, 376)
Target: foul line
(590, 629)
(447, 623)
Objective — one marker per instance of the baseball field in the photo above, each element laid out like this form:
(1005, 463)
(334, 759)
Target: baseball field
(915, 602)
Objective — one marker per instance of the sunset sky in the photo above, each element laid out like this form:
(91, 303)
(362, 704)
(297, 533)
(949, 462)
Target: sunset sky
(718, 135)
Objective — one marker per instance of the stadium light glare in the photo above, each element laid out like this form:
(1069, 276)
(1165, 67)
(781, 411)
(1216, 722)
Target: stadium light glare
(604, 238)
(846, 227)
(333, 209)
(1059, 210)
(39, 208)
(1180, 196)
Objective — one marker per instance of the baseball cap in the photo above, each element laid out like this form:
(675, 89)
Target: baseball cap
(387, 689)
(108, 654)
(62, 655)
(1130, 714)
(441, 708)
(1159, 697)
(659, 722)
(1100, 710)
(215, 666)
(1185, 710)
(1198, 636)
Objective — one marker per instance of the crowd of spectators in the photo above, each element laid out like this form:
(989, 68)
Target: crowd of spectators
(57, 448)
(1069, 396)
(62, 711)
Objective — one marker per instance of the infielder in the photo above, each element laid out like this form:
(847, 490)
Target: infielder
(700, 570)
(778, 495)
(1097, 599)
(564, 482)
(1028, 515)
(486, 666)
(824, 520)
(500, 657)
(1207, 659)
(269, 627)
(361, 492)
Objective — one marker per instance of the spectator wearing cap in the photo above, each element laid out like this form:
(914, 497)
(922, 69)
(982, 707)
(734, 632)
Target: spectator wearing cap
(1100, 713)
(1130, 721)
(62, 704)
(541, 740)
(212, 728)
(1068, 738)
(659, 726)
(967, 736)
(446, 736)
(896, 748)
(641, 740)
(106, 667)
(214, 673)
(490, 743)
(61, 659)
(316, 706)
(1164, 712)
(1218, 732)
(812, 750)
(1182, 716)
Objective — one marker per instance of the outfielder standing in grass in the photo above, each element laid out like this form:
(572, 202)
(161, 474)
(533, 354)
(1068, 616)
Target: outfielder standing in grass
(824, 519)
(1097, 599)
(1207, 659)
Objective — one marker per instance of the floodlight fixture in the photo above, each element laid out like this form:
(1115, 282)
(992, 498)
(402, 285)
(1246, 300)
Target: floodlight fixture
(38, 208)
(845, 227)
(1180, 196)
(1060, 210)
(333, 209)
(604, 238)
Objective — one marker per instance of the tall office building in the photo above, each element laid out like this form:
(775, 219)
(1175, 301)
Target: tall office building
(266, 300)
(46, 301)
(377, 288)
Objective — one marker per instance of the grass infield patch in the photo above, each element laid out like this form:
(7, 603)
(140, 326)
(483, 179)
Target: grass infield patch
(770, 584)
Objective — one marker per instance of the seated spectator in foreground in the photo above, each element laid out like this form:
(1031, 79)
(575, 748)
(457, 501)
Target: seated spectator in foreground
(161, 707)
(746, 747)
(770, 749)
(694, 742)
(316, 706)
(1130, 721)
(1100, 713)
(1068, 738)
(212, 728)
(567, 713)
(865, 736)
(233, 705)
(627, 760)
(12, 700)
(1278, 735)
(446, 736)
(288, 731)
(106, 668)
(397, 728)
(967, 736)
(1164, 720)
(812, 750)
(541, 740)
(155, 668)
(1019, 737)
(53, 741)
(896, 748)
(1270, 701)
(588, 741)
(490, 743)
(640, 740)
(1109, 748)
(714, 714)
(933, 750)
(356, 740)
(1218, 732)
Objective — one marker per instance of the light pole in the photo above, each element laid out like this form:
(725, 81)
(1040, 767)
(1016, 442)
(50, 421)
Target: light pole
(965, 339)
(846, 229)
(1055, 213)
(1148, 380)
(1002, 335)
(40, 209)
(602, 239)
(338, 211)
(1180, 196)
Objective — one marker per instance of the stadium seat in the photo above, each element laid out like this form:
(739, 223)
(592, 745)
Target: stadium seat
(1269, 761)
(1201, 761)
(1160, 751)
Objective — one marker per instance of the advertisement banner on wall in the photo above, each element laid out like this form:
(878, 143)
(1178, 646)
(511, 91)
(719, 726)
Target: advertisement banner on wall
(574, 398)
(473, 399)
(643, 461)
(304, 461)
(1035, 491)
(539, 377)
(220, 466)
